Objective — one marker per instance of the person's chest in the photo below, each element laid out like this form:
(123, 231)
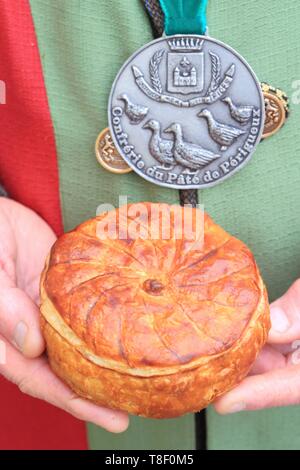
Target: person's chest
(82, 46)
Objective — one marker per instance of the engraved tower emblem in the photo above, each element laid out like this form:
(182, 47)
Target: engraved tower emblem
(185, 74)
(185, 66)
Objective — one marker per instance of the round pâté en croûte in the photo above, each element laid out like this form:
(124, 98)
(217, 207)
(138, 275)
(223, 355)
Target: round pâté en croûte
(156, 327)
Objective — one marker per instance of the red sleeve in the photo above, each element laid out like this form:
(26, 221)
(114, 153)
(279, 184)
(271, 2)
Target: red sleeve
(28, 170)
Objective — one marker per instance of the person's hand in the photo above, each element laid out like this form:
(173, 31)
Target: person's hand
(275, 377)
(25, 240)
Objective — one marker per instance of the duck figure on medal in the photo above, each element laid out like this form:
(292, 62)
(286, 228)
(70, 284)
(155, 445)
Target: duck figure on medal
(186, 111)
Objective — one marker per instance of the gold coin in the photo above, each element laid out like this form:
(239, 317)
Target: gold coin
(276, 109)
(107, 154)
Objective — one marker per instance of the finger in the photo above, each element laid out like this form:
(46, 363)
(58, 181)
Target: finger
(28, 273)
(285, 317)
(276, 388)
(19, 318)
(268, 359)
(284, 349)
(35, 378)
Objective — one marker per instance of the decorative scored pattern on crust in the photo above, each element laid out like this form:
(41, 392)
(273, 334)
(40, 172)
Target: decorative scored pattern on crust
(201, 302)
(159, 396)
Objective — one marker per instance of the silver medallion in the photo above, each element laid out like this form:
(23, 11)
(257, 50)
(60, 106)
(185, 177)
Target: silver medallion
(186, 112)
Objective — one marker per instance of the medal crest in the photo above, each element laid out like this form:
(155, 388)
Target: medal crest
(186, 112)
(185, 74)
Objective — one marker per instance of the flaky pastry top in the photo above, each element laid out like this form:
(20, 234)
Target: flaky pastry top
(153, 299)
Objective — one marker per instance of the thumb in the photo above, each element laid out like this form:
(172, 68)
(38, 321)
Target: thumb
(285, 317)
(19, 318)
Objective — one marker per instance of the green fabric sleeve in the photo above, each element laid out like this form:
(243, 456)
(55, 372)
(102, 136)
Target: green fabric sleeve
(261, 204)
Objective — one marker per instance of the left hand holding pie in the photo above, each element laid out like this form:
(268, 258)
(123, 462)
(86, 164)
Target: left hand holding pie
(275, 377)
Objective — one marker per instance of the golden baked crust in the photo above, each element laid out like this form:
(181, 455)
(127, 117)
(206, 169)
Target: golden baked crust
(156, 327)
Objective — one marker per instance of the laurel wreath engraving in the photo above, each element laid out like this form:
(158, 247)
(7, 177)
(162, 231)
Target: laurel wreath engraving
(217, 88)
(154, 70)
(216, 72)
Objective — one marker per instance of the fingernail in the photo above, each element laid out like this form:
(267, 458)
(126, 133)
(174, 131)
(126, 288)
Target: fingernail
(279, 320)
(236, 408)
(20, 335)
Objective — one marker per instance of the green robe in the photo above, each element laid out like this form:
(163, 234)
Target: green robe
(82, 45)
